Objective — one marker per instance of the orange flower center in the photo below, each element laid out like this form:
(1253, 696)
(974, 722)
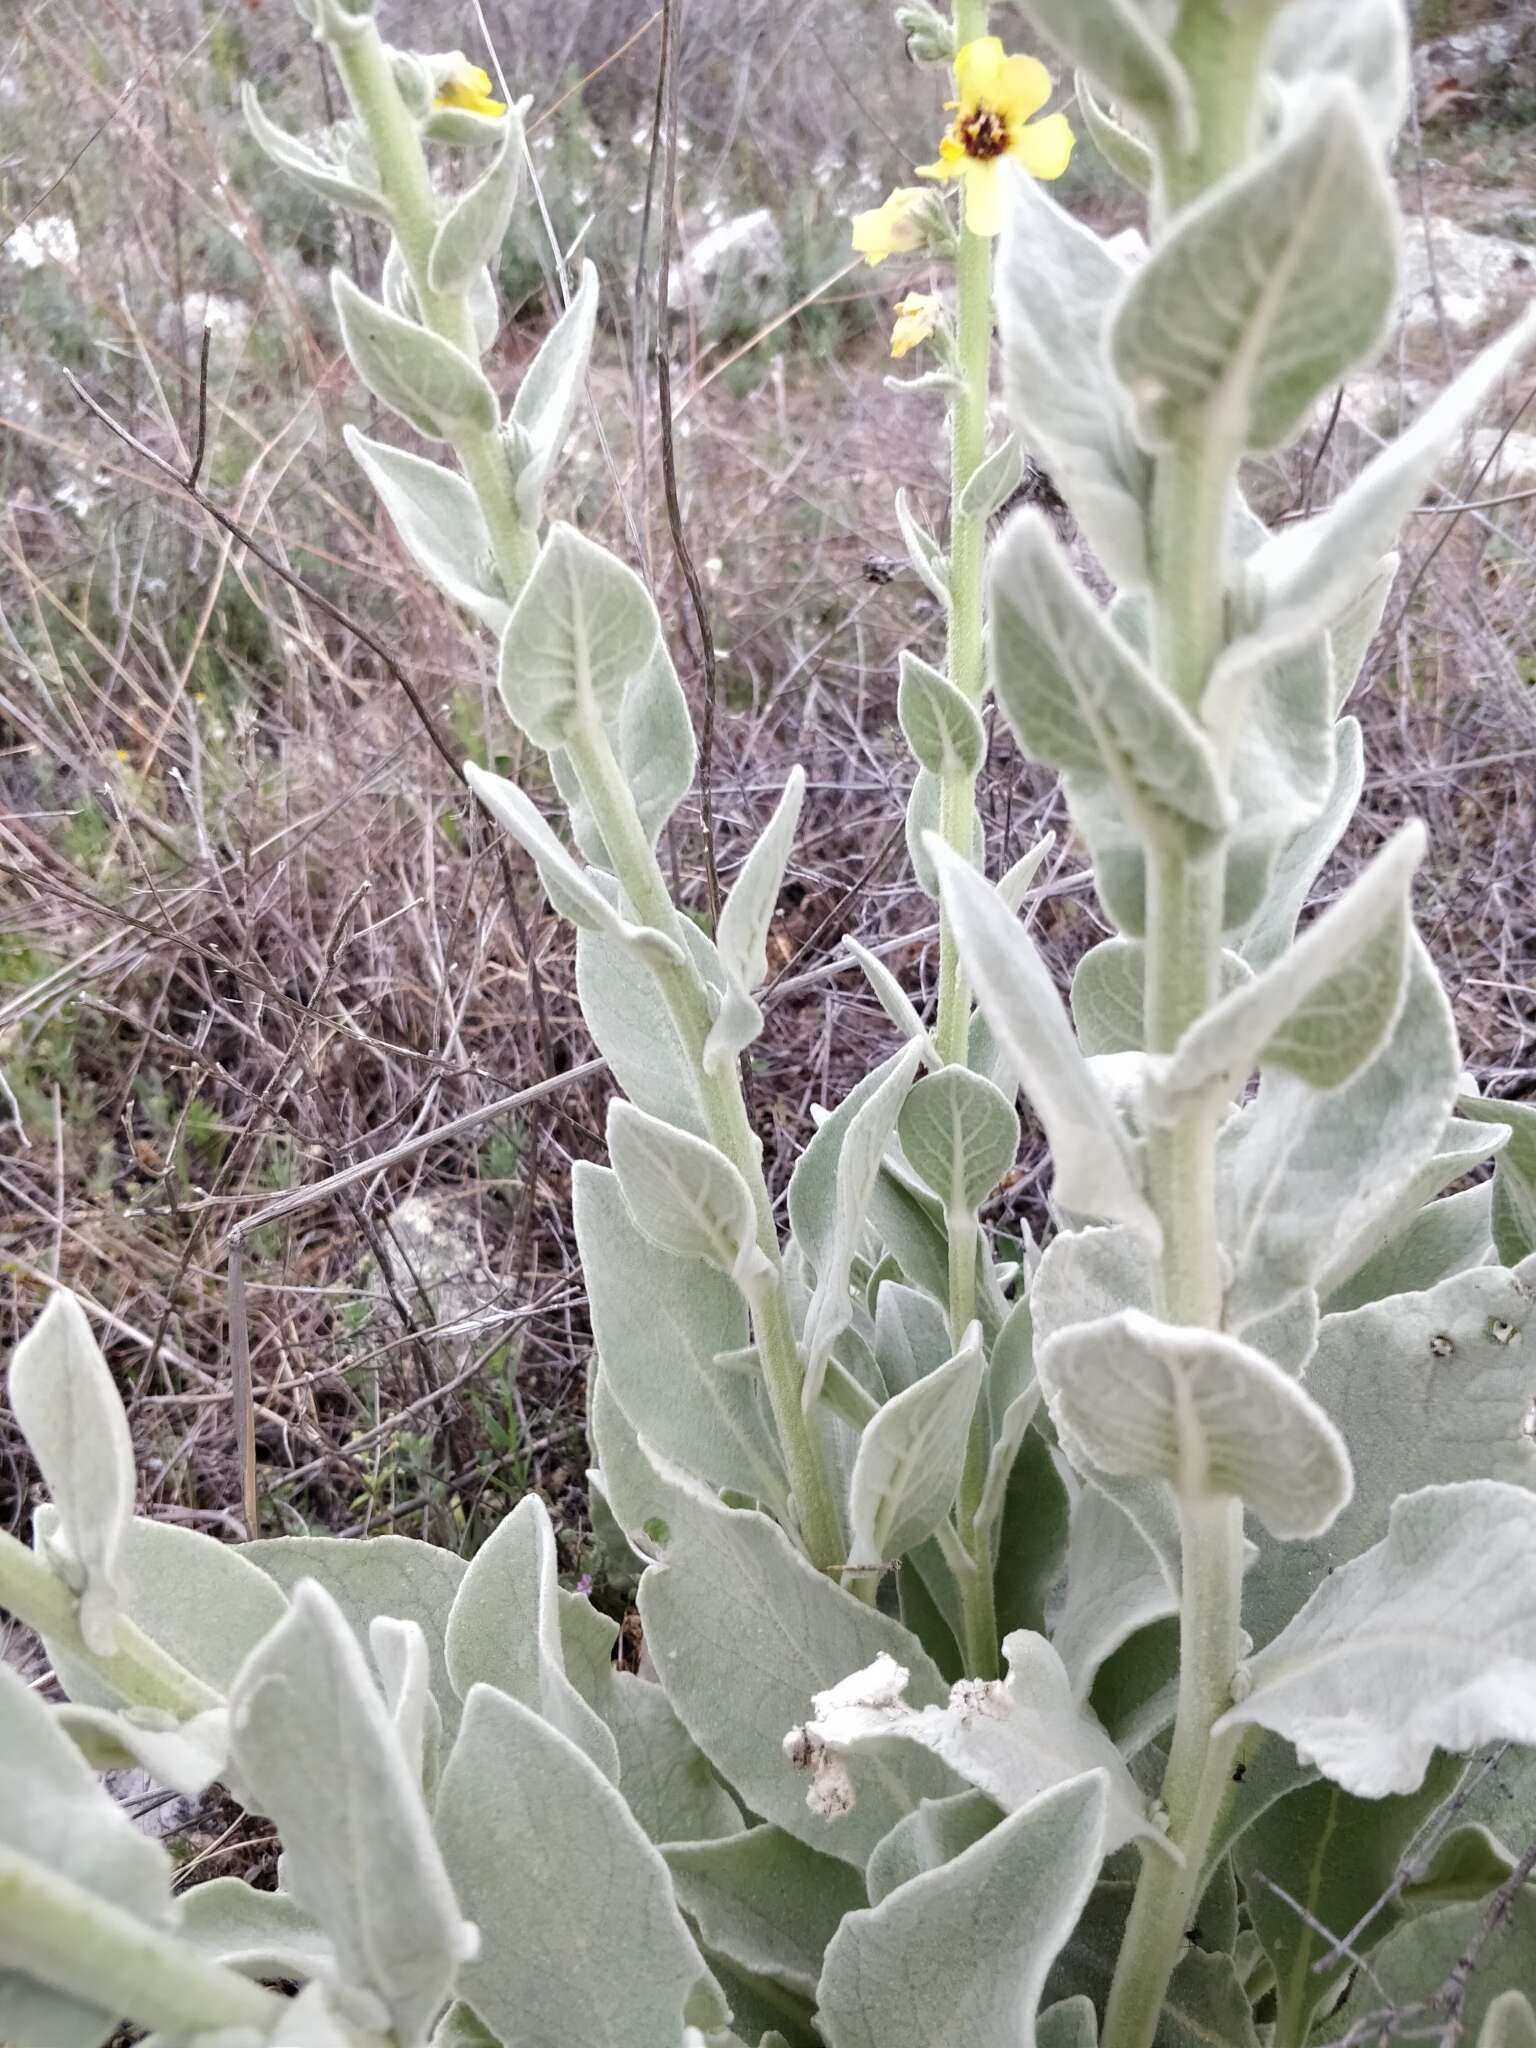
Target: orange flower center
(983, 134)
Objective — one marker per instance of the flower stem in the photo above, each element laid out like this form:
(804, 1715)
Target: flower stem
(407, 185)
(978, 1603)
(58, 1933)
(1221, 49)
(139, 1672)
(613, 809)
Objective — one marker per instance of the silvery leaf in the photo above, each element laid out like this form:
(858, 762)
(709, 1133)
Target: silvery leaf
(1013, 886)
(993, 481)
(1308, 1180)
(1366, 42)
(1426, 1642)
(504, 1631)
(765, 1901)
(1425, 1388)
(1057, 283)
(546, 399)
(742, 937)
(667, 1782)
(318, 1753)
(862, 1145)
(1510, 2022)
(1079, 698)
(910, 1459)
(471, 232)
(525, 1815)
(395, 1576)
(923, 820)
(1116, 1584)
(941, 725)
(778, 1631)
(1514, 1176)
(439, 521)
(923, 551)
(911, 1336)
(894, 1000)
(56, 1815)
(1311, 570)
(933, 1834)
(261, 1934)
(962, 1953)
(960, 1136)
(1116, 42)
(1303, 859)
(630, 1024)
(684, 1195)
(430, 383)
(1109, 989)
(69, 1410)
(574, 892)
(660, 1323)
(1141, 1399)
(313, 171)
(1268, 289)
(1322, 1010)
(582, 628)
(186, 1755)
(1445, 1238)
(404, 1664)
(1012, 1738)
(1120, 149)
(653, 739)
(1096, 1174)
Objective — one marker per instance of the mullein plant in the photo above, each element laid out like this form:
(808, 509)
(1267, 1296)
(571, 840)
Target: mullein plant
(1081, 1646)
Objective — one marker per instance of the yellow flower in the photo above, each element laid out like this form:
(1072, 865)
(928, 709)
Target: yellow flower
(992, 122)
(916, 317)
(891, 229)
(470, 88)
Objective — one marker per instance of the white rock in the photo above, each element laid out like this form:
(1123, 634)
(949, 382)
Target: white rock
(48, 238)
(435, 1252)
(1479, 276)
(1467, 60)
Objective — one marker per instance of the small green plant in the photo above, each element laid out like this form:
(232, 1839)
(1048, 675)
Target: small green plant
(1074, 1643)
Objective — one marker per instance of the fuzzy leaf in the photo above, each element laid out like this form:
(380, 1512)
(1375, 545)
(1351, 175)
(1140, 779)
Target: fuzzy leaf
(415, 373)
(1366, 42)
(261, 1934)
(1141, 1399)
(766, 1901)
(684, 1195)
(314, 172)
(1057, 285)
(1116, 1584)
(1306, 854)
(864, 1140)
(1310, 1181)
(71, 1414)
(960, 1135)
(1426, 1642)
(742, 937)
(504, 1631)
(317, 1751)
(1109, 990)
(1322, 1010)
(745, 1631)
(439, 521)
(546, 399)
(660, 1323)
(894, 1000)
(1514, 1176)
(961, 1953)
(1078, 697)
(471, 232)
(1095, 1172)
(940, 723)
(186, 1755)
(523, 1814)
(910, 1459)
(1268, 289)
(582, 629)
(572, 890)
(653, 739)
(923, 551)
(1116, 42)
(993, 481)
(1425, 1388)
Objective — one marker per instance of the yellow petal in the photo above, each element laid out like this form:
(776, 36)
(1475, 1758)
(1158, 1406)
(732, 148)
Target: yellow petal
(1021, 89)
(983, 198)
(977, 68)
(1044, 147)
(953, 162)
